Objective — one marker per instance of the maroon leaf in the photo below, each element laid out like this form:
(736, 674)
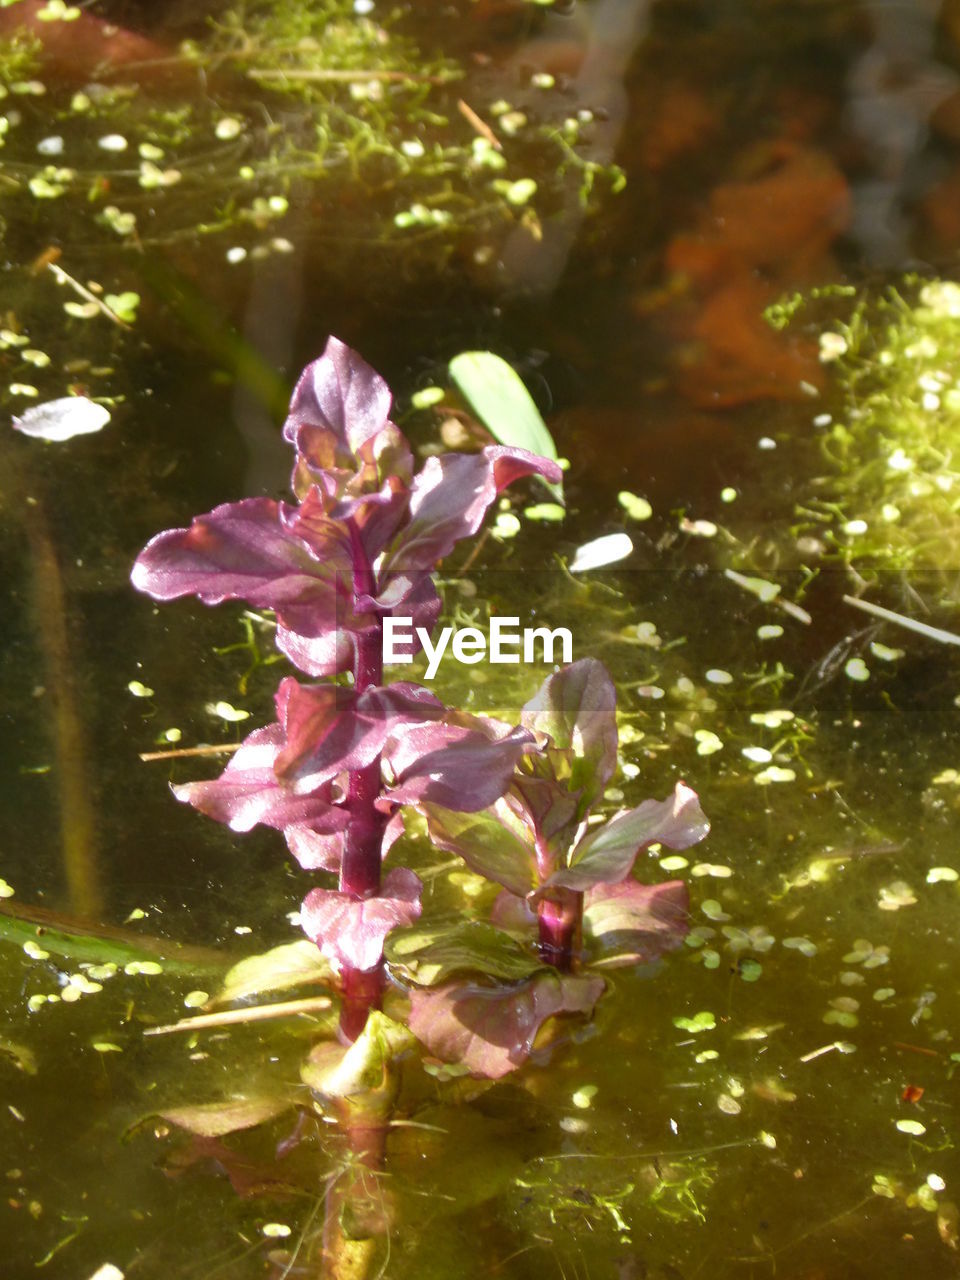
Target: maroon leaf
(638, 923)
(577, 708)
(606, 854)
(329, 729)
(494, 843)
(249, 550)
(513, 913)
(338, 405)
(463, 762)
(492, 1031)
(449, 498)
(350, 931)
(270, 555)
(248, 793)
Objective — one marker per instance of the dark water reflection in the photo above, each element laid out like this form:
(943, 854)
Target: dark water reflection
(767, 146)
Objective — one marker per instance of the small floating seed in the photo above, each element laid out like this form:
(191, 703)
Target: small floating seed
(101, 972)
(637, 508)
(574, 1124)
(583, 1097)
(884, 652)
(699, 528)
(804, 946)
(774, 774)
(913, 1127)
(837, 1017)
(894, 896)
(937, 874)
(771, 719)
(224, 711)
(551, 512)
(707, 742)
(713, 910)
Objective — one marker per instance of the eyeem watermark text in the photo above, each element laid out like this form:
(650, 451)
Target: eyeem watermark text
(470, 644)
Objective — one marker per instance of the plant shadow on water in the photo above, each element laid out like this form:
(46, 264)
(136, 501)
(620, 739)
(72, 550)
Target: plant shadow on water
(775, 1095)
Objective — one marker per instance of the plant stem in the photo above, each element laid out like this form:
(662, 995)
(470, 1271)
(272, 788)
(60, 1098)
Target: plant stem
(360, 991)
(360, 869)
(363, 839)
(560, 919)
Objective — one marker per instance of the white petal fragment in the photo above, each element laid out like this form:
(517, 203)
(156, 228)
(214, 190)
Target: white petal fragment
(60, 420)
(601, 551)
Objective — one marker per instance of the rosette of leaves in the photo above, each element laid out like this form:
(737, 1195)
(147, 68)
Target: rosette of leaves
(563, 878)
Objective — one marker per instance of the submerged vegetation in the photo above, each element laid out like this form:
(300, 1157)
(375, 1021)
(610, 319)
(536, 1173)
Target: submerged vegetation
(890, 501)
(396, 146)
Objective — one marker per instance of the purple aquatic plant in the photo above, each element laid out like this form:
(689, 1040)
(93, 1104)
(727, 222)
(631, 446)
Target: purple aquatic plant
(357, 546)
(535, 840)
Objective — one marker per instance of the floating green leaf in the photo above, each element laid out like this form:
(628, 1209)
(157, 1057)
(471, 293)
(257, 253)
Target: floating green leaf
(703, 1021)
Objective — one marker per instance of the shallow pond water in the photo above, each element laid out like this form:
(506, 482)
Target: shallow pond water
(776, 1097)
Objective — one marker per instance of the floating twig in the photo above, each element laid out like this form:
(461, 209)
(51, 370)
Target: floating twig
(794, 611)
(915, 1048)
(335, 75)
(174, 752)
(911, 624)
(255, 1013)
(478, 124)
(64, 277)
(824, 1048)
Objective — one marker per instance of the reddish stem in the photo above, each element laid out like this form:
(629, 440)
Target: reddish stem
(362, 990)
(360, 869)
(560, 918)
